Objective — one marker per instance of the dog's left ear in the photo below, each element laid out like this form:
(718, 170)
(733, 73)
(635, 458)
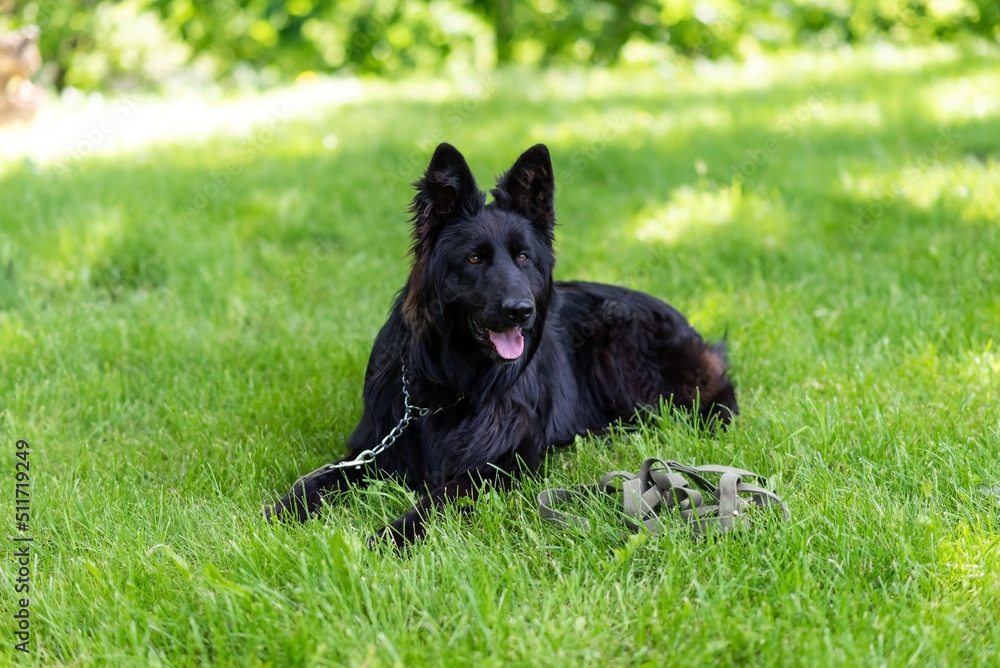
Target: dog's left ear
(528, 189)
(445, 193)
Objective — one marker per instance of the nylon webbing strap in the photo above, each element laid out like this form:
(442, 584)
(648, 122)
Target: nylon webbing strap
(683, 492)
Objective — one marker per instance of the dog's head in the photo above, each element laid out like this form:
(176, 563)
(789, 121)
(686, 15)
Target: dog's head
(482, 274)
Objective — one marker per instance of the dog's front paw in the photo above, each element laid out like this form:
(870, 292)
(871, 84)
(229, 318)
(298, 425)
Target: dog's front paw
(720, 414)
(294, 507)
(401, 533)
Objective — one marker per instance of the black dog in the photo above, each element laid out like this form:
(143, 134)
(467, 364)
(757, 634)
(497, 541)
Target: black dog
(505, 361)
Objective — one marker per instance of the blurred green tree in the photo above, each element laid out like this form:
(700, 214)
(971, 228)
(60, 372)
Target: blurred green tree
(99, 43)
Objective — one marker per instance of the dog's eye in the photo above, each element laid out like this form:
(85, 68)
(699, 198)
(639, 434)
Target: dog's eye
(474, 259)
(523, 257)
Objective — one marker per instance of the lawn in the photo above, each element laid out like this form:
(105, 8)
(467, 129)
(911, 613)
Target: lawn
(184, 327)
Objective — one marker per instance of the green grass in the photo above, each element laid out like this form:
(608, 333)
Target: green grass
(175, 363)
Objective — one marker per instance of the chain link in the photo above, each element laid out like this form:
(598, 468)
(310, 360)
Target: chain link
(410, 413)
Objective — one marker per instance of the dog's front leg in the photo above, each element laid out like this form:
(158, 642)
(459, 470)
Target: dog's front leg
(306, 496)
(411, 527)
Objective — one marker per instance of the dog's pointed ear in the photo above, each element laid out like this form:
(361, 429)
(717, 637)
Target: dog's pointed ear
(528, 189)
(446, 191)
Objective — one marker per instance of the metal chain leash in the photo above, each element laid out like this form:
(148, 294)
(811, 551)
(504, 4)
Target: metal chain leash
(410, 413)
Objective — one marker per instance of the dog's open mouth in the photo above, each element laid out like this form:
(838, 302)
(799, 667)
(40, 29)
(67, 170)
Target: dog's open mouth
(508, 344)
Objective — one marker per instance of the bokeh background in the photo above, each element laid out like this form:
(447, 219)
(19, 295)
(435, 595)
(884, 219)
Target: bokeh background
(93, 45)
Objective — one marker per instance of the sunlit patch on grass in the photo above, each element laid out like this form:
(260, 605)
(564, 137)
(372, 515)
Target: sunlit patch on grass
(707, 116)
(589, 127)
(691, 209)
(590, 133)
(753, 74)
(848, 115)
(970, 558)
(865, 186)
(888, 57)
(688, 207)
(974, 184)
(926, 179)
(922, 188)
(967, 98)
(981, 370)
(71, 130)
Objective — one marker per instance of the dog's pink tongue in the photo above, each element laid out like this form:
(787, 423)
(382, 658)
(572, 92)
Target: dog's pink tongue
(509, 344)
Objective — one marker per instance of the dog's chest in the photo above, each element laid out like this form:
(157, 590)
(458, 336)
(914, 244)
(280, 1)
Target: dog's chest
(491, 433)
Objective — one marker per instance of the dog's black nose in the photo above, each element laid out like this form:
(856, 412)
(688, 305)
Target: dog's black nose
(517, 311)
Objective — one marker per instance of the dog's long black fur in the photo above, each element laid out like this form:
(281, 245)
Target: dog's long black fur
(518, 361)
